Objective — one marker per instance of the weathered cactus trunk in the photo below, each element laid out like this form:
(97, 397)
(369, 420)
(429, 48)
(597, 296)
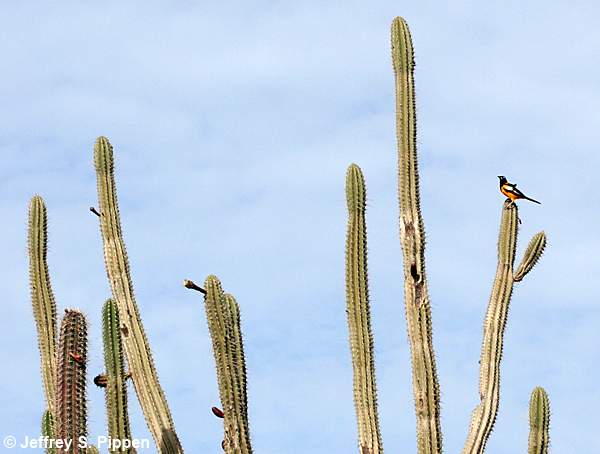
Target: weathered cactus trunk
(412, 237)
(137, 348)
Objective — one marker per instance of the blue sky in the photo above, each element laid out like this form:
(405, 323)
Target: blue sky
(233, 125)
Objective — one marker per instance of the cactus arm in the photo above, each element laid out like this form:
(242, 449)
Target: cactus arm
(48, 429)
(44, 305)
(139, 356)
(539, 422)
(359, 319)
(116, 388)
(222, 313)
(412, 236)
(534, 251)
(71, 402)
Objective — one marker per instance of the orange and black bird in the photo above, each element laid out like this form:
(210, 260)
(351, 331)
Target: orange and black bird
(510, 190)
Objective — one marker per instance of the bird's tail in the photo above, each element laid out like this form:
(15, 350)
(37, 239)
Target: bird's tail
(532, 200)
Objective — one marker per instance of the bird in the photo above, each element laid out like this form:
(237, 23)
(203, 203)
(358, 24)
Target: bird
(510, 190)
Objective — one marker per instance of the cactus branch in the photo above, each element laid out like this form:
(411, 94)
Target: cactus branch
(539, 422)
(412, 235)
(44, 306)
(222, 313)
(115, 378)
(359, 318)
(71, 402)
(484, 415)
(137, 348)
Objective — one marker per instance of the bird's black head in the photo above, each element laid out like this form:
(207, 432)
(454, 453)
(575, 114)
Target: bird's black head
(502, 179)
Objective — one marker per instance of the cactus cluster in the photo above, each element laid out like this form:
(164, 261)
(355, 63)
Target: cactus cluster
(127, 352)
(63, 357)
(418, 312)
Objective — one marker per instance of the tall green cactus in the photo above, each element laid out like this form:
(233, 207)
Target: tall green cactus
(539, 422)
(44, 306)
(116, 385)
(139, 356)
(484, 415)
(359, 318)
(223, 316)
(71, 399)
(412, 237)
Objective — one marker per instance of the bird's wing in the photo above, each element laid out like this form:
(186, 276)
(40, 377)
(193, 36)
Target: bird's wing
(515, 191)
(512, 188)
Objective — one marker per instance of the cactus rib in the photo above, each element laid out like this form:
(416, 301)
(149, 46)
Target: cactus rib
(44, 305)
(137, 348)
(71, 403)
(116, 387)
(359, 319)
(222, 314)
(539, 422)
(412, 235)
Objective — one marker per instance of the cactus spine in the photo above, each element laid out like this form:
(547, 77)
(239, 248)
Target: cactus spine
(48, 429)
(223, 316)
(71, 404)
(116, 387)
(359, 318)
(484, 415)
(412, 237)
(137, 348)
(44, 305)
(539, 422)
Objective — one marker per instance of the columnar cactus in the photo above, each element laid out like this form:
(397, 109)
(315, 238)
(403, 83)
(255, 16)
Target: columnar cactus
(412, 237)
(539, 422)
(71, 401)
(223, 316)
(116, 385)
(44, 306)
(484, 415)
(139, 356)
(359, 318)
